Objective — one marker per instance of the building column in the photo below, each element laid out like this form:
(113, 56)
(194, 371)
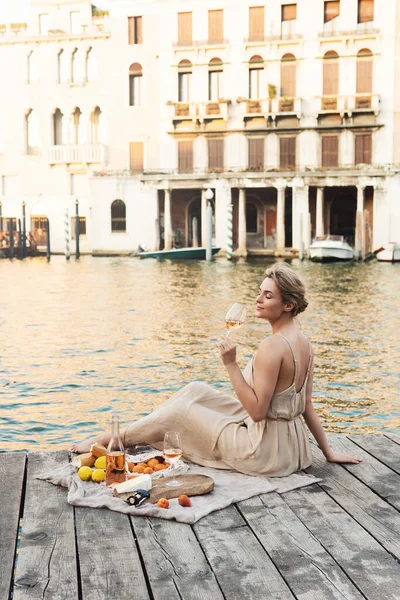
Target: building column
(203, 218)
(360, 229)
(280, 220)
(167, 220)
(300, 212)
(242, 246)
(319, 229)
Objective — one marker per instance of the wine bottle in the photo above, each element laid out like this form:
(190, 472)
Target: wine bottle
(115, 458)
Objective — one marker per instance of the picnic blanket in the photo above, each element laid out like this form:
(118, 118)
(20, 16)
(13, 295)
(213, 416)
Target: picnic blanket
(230, 487)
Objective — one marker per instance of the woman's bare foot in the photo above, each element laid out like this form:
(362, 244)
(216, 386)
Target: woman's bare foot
(85, 446)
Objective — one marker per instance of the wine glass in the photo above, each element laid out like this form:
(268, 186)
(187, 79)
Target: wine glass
(172, 453)
(234, 317)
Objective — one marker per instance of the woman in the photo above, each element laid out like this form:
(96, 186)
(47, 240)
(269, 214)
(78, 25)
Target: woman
(262, 430)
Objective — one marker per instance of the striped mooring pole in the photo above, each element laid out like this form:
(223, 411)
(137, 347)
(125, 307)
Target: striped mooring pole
(66, 234)
(229, 244)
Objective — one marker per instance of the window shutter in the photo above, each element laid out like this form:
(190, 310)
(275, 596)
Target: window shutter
(256, 23)
(287, 147)
(256, 154)
(131, 30)
(363, 149)
(365, 11)
(288, 79)
(136, 157)
(331, 10)
(185, 157)
(289, 12)
(330, 150)
(216, 155)
(215, 25)
(139, 30)
(364, 75)
(185, 28)
(331, 77)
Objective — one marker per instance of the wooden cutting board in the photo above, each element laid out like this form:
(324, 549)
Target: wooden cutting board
(192, 485)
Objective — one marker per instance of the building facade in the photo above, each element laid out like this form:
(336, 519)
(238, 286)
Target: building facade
(288, 111)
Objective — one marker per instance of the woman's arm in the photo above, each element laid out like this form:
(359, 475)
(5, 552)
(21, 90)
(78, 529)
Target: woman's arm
(315, 426)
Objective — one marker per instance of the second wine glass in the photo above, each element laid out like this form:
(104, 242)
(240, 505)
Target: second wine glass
(172, 452)
(235, 317)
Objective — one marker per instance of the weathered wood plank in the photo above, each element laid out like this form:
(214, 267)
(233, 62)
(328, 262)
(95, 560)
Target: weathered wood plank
(394, 437)
(381, 448)
(109, 562)
(12, 468)
(309, 570)
(373, 570)
(381, 520)
(372, 472)
(241, 565)
(46, 565)
(174, 560)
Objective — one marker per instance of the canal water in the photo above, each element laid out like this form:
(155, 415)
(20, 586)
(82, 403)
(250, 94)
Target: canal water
(84, 339)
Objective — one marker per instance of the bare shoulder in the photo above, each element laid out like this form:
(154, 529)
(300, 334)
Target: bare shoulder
(272, 346)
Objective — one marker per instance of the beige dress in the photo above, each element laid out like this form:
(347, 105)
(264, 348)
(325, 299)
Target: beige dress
(216, 430)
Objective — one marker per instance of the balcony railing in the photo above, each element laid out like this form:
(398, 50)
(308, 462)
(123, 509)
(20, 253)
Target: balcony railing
(270, 106)
(332, 103)
(197, 43)
(200, 110)
(362, 30)
(363, 103)
(90, 153)
(262, 39)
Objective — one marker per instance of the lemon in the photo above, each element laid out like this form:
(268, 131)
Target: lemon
(98, 475)
(100, 462)
(85, 473)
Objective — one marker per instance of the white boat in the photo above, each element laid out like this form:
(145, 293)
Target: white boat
(390, 253)
(330, 248)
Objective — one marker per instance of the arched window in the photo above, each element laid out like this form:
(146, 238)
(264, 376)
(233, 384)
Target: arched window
(331, 74)
(77, 137)
(118, 216)
(90, 67)
(288, 76)
(77, 67)
(251, 217)
(214, 79)
(32, 67)
(364, 72)
(184, 76)
(97, 127)
(135, 86)
(32, 132)
(58, 127)
(63, 67)
(256, 66)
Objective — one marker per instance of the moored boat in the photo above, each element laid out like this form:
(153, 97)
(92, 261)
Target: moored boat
(179, 253)
(390, 253)
(330, 248)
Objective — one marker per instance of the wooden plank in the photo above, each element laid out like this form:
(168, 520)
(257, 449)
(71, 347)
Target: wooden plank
(309, 570)
(381, 520)
(373, 570)
(46, 565)
(174, 560)
(12, 468)
(241, 565)
(110, 565)
(394, 437)
(382, 448)
(377, 476)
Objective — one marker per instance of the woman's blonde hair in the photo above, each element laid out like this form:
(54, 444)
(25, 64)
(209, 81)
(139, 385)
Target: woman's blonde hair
(290, 285)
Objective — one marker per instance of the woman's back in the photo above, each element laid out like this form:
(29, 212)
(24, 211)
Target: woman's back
(295, 349)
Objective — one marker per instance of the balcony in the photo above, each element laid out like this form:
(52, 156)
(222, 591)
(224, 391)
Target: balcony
(332, 104)
(271, 107)
(90, 153)
(332, 30)
(200, 43)
(363, 103)
(195, 113)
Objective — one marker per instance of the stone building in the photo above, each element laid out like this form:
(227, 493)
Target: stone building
(288, 111)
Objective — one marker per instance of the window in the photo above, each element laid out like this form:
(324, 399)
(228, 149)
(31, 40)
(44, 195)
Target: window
(214, 79)
(287, 152)
(63, 67)
(256, 23)
(76, 126)
(75, 22)
(58, 127)
(118, 217)
(330, 150)
(216, 155)
(288, 76)
(135, 86)
(38, 228)
(97, 133)
(136, 157)
(256, 66)
(184, 76)
(256, 154)
(363, 149)
(9, 186)
(135, 30)
(365, 11)
(32, 67)
(331, 16)
(43, 24)
(364, 72)
(82, 227)
(32, 133)
(77, 66)
(331, 74)
(289, 16)
(90, 67)
(185, 157)
(251, 217)
(185, 29)
(215, 26)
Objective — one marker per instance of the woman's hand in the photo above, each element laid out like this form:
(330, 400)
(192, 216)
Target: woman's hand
(340, 457)
(228, 351)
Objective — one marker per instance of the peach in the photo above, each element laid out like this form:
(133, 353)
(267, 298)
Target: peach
(184, 500)
(163, 503)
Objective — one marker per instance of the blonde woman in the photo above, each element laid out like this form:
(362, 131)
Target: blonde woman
(261, 430)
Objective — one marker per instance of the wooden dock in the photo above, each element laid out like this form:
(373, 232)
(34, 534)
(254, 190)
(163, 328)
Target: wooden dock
(339, 539)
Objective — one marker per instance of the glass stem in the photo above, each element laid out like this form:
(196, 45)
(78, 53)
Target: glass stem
(173, 472)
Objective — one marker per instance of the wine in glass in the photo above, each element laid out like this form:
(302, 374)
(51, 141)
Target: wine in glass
(235, 317)
(172, 453)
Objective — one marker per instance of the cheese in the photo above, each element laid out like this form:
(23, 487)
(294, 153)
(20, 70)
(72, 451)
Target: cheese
(141, 482)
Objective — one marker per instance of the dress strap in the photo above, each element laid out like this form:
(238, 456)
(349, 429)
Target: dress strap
(294, 358)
